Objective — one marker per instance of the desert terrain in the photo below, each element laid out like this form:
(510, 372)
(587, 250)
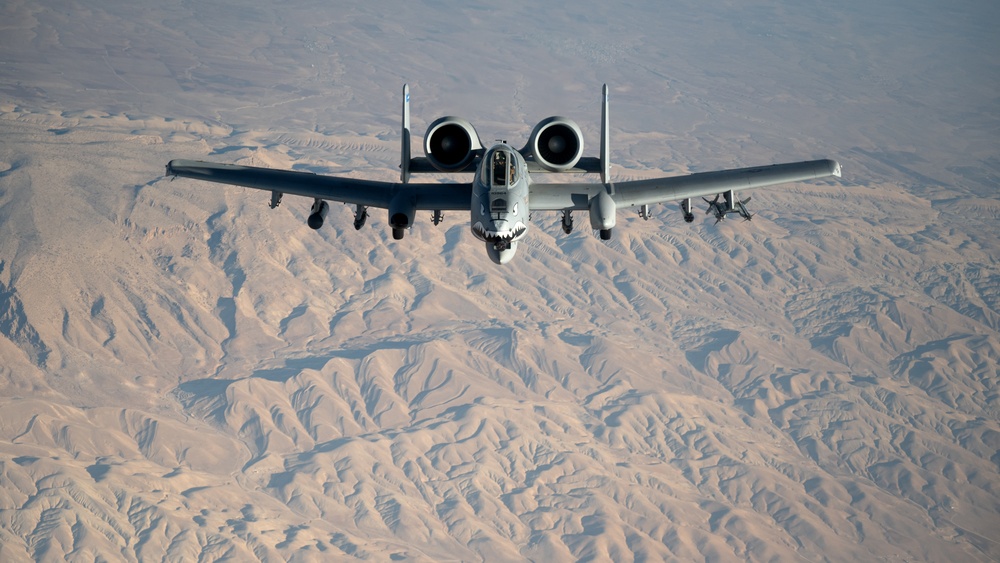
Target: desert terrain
(186, 374)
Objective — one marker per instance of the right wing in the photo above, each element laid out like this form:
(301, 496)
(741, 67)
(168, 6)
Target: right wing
(444, 197)
(577, 196)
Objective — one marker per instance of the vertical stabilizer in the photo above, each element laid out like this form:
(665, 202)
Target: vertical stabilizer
(605, 138)
(404, 141)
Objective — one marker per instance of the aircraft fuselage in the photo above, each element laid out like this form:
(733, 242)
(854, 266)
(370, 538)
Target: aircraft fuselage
(499, 214)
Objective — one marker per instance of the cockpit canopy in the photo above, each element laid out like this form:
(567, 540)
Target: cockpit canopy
(502, 169)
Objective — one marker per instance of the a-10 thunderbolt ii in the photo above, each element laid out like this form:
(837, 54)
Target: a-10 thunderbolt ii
(501, 195)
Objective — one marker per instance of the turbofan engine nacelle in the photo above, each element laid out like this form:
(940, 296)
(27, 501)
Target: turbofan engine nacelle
(451, 143)
(556, 143)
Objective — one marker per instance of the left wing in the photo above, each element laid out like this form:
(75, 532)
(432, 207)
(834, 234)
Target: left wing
(577, 196)
(444, 197)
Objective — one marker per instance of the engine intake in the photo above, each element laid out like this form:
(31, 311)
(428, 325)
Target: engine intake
(451, 143)
(556, 143)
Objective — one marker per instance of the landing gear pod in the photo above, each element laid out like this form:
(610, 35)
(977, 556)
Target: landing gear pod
(318, 214)
(402, 209)
(603, 214)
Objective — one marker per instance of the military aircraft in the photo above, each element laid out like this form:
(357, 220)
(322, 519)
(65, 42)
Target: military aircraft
(501, 195)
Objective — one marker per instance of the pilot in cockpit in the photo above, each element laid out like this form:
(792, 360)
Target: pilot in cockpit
(500, 168)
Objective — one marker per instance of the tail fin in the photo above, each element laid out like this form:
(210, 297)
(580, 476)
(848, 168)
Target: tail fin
(404, 141)
(605, 138)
